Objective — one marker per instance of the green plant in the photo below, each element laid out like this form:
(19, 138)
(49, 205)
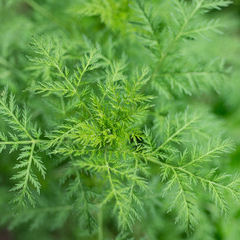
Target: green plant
(118, 117)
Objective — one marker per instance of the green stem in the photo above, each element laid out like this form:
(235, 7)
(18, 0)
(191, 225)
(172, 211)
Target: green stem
(100, 223)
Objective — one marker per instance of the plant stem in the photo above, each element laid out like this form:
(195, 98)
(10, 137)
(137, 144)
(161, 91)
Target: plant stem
(100, 223)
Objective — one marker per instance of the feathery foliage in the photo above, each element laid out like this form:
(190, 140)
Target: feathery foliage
(122, 142)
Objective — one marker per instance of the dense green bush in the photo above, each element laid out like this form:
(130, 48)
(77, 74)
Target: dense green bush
(119, 119)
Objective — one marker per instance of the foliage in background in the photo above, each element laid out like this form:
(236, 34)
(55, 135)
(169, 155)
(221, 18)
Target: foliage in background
(119, 119)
